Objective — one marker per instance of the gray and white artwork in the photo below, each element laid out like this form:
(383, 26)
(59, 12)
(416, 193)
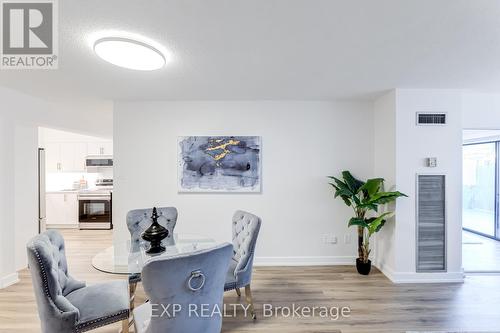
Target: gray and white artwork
(219, 164)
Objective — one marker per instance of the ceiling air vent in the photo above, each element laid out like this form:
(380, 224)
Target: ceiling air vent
(424, 118)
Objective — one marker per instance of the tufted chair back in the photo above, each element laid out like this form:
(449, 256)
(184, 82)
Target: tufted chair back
(52, 283)
(191, 282)
(139, 220)
(246, 228)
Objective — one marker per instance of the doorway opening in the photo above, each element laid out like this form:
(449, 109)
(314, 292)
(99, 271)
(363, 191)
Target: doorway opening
(480, 205)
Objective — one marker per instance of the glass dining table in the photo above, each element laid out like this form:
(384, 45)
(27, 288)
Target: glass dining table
(124, 259)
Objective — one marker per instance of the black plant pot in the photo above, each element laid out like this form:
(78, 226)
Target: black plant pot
(363, 268)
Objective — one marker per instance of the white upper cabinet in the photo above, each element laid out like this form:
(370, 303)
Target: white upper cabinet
(53, 157)
(65, 156)
(67, 152)
(71, 156)
(100, 148)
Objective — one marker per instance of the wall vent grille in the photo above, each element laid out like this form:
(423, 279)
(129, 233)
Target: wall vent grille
(424, 118)
(431, 223)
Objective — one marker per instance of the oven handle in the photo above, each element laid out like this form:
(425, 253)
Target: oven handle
(100, 198)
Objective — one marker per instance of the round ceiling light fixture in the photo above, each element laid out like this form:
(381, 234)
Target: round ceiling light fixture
(129, 53)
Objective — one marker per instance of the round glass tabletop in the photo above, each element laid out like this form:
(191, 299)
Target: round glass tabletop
(119, 259)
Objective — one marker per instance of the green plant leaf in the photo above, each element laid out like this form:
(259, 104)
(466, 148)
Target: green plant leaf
(385, 197)
(342, 186)
(346, 200)
(375, 224)
(358, 221)
(369, 205)
(372, 186)
(353, 183)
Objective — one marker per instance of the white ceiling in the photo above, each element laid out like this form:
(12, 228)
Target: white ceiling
(276, 49)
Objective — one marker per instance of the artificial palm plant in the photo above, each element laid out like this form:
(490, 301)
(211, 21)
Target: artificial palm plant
(365, 198)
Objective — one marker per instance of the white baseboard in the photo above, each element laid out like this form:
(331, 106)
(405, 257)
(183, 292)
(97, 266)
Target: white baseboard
(413, 277)
(304, 261)
(62, 226)
(9, 280)
(481, 273)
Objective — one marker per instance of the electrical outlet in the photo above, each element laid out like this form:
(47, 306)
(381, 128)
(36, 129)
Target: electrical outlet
(329, 239)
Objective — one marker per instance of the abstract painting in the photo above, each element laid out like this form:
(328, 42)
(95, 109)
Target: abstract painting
(219, 164)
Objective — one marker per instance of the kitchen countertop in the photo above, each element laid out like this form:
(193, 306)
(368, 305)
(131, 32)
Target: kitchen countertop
(88, 190)
(62, 191)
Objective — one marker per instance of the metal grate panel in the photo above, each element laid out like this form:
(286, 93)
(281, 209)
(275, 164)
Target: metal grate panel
(431, 223)
(431, 118)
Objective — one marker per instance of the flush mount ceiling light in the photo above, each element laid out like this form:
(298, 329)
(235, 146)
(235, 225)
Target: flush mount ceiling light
(129, 53)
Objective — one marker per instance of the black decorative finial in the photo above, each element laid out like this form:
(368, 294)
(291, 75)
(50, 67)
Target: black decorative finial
(155, 234)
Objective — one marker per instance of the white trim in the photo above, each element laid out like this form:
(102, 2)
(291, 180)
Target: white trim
(305, 261)
(479, 273)
(395, 277)
(413, 277)
(9, 280)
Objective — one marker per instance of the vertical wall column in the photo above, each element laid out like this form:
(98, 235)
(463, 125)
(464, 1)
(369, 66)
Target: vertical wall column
(8, 273)
(396, 246)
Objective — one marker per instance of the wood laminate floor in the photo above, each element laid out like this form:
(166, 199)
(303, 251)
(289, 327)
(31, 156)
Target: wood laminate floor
(376, 304)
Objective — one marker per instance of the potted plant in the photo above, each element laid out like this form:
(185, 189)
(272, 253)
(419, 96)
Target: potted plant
(365, 199)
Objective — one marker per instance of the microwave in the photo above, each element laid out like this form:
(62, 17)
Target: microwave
(101, 161)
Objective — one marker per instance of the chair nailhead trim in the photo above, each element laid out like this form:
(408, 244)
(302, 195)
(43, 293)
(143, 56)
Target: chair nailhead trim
(102, 321)
(44, 276)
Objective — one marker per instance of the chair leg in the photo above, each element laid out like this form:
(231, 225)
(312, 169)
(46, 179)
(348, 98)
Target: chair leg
(248, 296)
(238, 292)
(125, 326)
(132, 289)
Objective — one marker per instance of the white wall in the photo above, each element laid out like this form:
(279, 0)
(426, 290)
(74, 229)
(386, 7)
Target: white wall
(481, 111)
(413, 145)
(302, 143)
(7, 259)
(385, 167)
(21, 115)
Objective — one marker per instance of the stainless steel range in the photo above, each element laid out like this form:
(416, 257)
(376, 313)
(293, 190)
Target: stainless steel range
(95, 206)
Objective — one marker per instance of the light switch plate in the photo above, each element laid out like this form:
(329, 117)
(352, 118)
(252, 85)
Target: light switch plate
(431, 162)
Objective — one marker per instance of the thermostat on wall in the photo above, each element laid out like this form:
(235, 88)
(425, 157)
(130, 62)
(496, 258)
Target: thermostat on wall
(431, 162)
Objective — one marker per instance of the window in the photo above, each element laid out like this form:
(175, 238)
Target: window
(480, 188)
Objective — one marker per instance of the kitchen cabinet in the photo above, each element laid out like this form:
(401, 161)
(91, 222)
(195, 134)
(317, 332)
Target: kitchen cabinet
(100, 148)
(71, 156)
(52, 157)
(62, 209)
(65, 156)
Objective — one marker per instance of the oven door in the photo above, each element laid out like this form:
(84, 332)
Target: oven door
(94, 210)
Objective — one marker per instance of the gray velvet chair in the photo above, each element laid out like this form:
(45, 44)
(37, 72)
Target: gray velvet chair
(138, 220)
(187, 282)
(66, 305)
(246, 228)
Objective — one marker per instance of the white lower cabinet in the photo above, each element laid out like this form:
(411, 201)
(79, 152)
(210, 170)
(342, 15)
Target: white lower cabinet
(62, 209)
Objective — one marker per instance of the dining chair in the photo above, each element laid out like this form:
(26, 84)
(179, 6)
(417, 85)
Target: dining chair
(138, 220)
(246, 228)
(179, 288)
(66, 305)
